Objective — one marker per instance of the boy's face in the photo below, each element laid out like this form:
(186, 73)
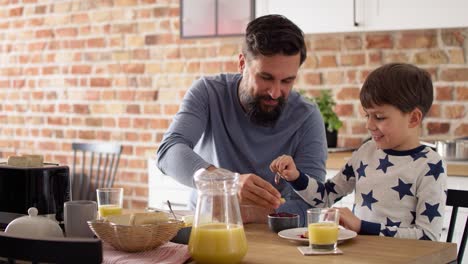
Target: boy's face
(266, 84)
(392, 129)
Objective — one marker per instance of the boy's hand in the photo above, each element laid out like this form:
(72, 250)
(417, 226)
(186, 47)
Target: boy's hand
(348, 220)
(284, 165)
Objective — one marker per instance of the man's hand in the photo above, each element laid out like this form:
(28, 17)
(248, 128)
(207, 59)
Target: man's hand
(348, 220)
(253, 190)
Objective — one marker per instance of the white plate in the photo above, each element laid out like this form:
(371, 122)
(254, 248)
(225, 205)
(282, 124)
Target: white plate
(295, 234)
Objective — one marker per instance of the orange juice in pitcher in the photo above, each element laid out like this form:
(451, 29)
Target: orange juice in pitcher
(218, 243)
(217, 233)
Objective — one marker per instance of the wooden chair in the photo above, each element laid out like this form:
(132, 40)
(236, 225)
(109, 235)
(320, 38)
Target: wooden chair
(52, 250)
(456, 199)
(98, 164)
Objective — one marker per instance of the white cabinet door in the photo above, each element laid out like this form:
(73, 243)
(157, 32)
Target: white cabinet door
(315, 16)
(330, 16)
(415, 14)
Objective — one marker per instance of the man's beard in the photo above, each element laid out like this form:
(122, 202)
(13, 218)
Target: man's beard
(255, 112)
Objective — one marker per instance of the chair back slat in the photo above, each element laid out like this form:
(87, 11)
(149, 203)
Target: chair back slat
(99, 173)
(457, 199)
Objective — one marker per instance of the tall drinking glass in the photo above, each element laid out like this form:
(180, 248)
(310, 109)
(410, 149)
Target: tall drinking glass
(323, 228)
(110, 201)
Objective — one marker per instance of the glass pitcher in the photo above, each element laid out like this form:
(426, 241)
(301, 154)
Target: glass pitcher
(217, 233)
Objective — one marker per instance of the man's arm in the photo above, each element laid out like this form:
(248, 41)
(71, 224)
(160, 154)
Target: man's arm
(175, 155)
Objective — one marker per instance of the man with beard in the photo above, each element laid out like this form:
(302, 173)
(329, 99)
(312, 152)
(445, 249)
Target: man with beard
(241, 122)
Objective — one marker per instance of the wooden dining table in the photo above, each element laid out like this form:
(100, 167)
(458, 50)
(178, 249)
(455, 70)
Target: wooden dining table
(265, 246)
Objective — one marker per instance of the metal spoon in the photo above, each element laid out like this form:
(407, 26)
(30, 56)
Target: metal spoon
(170, 209)
(277, 178)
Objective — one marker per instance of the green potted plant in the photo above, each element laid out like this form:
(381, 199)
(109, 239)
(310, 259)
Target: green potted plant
(325, 104)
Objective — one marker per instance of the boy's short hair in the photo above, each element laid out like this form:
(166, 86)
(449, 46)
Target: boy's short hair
(402, 85)
(271, 35)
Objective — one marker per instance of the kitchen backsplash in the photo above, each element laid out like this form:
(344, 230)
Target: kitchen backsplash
(117, 70)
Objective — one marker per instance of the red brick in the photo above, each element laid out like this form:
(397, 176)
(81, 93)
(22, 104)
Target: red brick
(349, 93)
(379, 41)
(451, 37)
(133, 109)
(444, 93)
(454, 111)
(81, 69)
(333, 77)
(93, 122)
(40, 9)
(312, 78)
(124, 122)
(80, 109)
(461, 93)
(344, 109)
(141, 54)
(434, 111)
(454, 74)
(44, 33)
(431, 57)
(352, 42)
(130, 28)
(327, 61)
(353, 59)
(82, 134)
(100, 82)
(358, 128)
(320, 43)
(60, 121)
(134, 68)
(349, 142)
(80, 18)
(96, 43)
(228, 66)
(417, 39)
(18, 11)
(66, 32)
(461, 130)
(434, 128)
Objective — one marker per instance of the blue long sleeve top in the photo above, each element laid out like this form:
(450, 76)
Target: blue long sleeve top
(212, 128)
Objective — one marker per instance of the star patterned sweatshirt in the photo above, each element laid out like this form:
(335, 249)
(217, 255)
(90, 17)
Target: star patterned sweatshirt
(397, 193)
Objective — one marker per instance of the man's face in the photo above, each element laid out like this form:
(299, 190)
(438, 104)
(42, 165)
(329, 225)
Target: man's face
(265, 86)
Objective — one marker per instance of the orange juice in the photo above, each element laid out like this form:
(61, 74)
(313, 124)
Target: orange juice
(218, 243)
(323, 233)
(109, 209)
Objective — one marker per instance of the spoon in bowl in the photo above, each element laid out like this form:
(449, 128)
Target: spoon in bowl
(170, 209)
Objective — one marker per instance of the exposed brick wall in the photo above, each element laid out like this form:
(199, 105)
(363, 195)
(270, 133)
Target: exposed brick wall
(116, 70)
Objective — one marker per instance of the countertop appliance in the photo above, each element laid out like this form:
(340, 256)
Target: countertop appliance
(46, 188)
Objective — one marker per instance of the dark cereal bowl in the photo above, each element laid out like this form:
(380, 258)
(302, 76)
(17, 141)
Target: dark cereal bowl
(281, 221)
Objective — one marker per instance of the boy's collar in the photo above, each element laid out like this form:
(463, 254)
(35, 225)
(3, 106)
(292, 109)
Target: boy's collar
(404, 152)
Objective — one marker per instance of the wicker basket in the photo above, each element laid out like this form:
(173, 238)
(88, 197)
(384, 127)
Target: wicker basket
(135, 238)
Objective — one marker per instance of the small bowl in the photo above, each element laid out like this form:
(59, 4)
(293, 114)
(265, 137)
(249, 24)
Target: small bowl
(183, 235)
(281, 221)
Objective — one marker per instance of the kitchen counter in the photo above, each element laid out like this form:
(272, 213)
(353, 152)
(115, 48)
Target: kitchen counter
(336, 160)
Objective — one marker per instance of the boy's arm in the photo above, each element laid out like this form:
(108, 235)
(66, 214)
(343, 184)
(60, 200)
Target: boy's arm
(325, 194)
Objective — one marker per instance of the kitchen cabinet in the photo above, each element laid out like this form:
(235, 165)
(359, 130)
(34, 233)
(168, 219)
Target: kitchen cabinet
(331, 16)
(209, 18)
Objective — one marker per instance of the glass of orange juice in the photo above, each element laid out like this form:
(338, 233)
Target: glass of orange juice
(323, 228)
(110, 201)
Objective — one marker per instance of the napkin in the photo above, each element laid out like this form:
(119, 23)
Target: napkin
(169, 253)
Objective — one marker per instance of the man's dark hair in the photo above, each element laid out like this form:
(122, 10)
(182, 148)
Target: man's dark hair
(401, 85)
(273, 34)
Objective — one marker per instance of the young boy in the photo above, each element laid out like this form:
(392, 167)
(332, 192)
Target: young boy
(399, 184)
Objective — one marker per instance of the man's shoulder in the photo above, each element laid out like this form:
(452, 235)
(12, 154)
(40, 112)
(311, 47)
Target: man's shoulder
(224, 79)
